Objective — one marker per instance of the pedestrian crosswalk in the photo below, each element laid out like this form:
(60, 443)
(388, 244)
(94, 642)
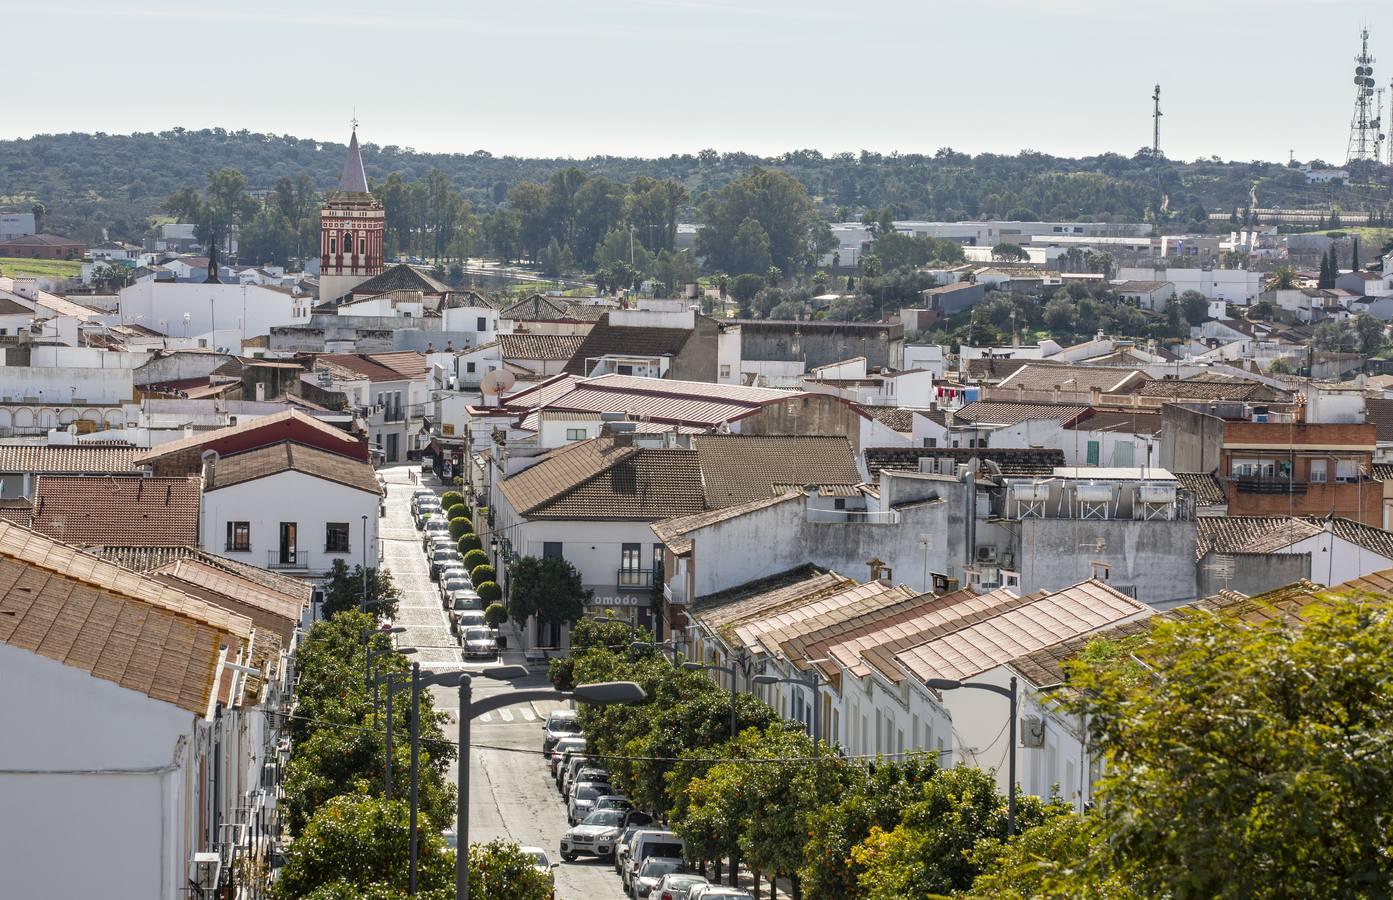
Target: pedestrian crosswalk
(508, 715)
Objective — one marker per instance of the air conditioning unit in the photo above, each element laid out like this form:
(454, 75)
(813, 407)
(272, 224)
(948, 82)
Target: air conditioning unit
(1032, 731)
(986, 555)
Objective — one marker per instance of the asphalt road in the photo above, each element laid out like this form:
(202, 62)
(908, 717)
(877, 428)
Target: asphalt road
(511, 795)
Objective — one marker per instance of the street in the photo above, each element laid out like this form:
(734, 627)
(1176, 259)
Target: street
(512, 795)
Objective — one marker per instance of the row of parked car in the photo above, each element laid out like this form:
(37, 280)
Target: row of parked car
(457, 594)
(604, 823)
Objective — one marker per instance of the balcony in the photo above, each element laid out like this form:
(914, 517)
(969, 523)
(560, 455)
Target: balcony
(282, 559)
(633, 578)
(675, 595)
(1268, 484)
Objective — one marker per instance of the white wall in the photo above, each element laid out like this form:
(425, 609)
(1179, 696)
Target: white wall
(251, 309)
(728, 355)
(290, 497)
(88, 835)
(1234, 285)
(925, 356)
(57, 384)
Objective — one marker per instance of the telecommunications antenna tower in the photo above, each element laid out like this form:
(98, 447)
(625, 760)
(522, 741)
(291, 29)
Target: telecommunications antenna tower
(1156, 123)
(1364, 127)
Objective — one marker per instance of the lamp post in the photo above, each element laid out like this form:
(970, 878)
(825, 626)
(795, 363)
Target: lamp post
(949, 684)
(600, 694)
(654, 645)
(382, 651)
(813, 683)
(365, 563)
(389, 679)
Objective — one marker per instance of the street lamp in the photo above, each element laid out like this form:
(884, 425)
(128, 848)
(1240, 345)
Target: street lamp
(373, 654)
(389, 679)
(729, 670)
(600, 694)
(654, 645)
(365, 563)
(950, 684)
(813, 683)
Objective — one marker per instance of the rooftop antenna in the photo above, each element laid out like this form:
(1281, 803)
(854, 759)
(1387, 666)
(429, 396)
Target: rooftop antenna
(1364, 126)
(1156, 123)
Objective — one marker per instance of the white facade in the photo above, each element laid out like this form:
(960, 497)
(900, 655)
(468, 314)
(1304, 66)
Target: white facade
(1239, 286)
(182, 310)
(479, 323)
(925, 356)
(290, 497)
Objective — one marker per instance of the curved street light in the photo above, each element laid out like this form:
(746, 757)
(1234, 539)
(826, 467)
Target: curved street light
(951, 684)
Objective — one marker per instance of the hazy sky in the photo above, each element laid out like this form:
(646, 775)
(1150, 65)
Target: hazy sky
(1242, 79)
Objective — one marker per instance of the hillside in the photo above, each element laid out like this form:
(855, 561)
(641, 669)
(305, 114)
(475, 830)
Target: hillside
(94, 181)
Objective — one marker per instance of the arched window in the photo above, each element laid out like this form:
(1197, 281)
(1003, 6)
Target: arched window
(348, 242)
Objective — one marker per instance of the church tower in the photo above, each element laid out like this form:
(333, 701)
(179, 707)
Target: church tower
(351, 230)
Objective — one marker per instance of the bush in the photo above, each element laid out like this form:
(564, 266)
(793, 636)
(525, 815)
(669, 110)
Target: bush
(460, 526)
(469, 541)
(475, 558)
(481, 573)
(488, 591)
(496, 614)
(450, 498)
(456, 510)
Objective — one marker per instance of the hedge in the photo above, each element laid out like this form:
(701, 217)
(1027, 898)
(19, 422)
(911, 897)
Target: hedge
(450, 498)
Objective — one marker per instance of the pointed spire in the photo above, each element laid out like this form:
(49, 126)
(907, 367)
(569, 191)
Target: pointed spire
(353, 180)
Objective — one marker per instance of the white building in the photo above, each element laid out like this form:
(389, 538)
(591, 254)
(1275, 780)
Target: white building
(290, 507)
(188, 309)
(1240, 286)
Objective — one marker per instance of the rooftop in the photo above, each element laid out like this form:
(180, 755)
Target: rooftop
(275, 427)
(999, 412)
(548, 347)
(1074, 379)
(288, 456)
(739, 468)
(1204, 486)
(1011, 461)
(606, 340)
(91, 459)
(401, 277)
(117, 509)
(146, 558)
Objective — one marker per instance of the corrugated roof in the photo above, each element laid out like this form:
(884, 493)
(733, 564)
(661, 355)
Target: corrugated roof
(67, 459)
(117, 509)
(288, 456)
(1051, 619)
(113, 623)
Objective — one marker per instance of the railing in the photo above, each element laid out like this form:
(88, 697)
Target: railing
(677, 596)
(337, 548)
(277, 559)
(854, 516)
(234, 547)
(634, 578)
(393, 414)
(1269, 485)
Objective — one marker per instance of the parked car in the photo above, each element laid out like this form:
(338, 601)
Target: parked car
(583, 798)
(569, 758)
(718, 892)
(431, 529)
(462, 621)
(542, 863)
(440, 560)
(625, 843)
(462, 602)
(649, 843)
(613, 801)
(451, 580)
(420, 494)
(427, 510)
(676, 886)
(441, 541)
(596, 834)
(575, 767)
(560, 723)
(651, 871)
(563, 746)
(479, 643)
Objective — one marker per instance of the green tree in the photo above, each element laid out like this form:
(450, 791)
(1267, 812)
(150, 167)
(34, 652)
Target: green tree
(1266, 737)
(500, 869)
(1195, 306)
(549, 588)
(496, 614)
(749, 249)
(344, 591)
(488, 591)
(469, 542)
(481, 573)
(460, 526)
(744, 288)
(1005, 252)
(474, 558)
(1059, 315)
(782, 209)
(1284, 279)
(1061, 859)
(1370, 333)
(216, 213)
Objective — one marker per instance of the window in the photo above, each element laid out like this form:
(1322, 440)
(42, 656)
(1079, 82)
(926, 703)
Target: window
(1346, 471)
(575, 434)
(469, 367)
(336, 537)
(1318, 472)
(333, 246)
(482, 324)
(551, 550)
(725, 370)
(239, 537)
(362, 246)
(630, 565)
(930, 442)
(348, 242)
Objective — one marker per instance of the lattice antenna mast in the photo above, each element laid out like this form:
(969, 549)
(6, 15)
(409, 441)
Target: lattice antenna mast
(1156, 123)
(1364, 126)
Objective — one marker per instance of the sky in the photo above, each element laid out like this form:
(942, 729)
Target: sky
(1246, 79)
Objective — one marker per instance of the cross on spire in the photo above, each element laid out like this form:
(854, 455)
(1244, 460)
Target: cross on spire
(354, 120)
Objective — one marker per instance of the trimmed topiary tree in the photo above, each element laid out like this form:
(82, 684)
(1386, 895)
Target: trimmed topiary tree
(475, 558)
(491, 593)
(469, 541)
(450, 498)
(457, 510)
(460, 526)
(480, 574)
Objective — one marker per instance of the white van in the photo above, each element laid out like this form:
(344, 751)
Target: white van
(650, 843)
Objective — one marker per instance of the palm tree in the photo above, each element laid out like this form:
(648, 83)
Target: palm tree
(1284, 279)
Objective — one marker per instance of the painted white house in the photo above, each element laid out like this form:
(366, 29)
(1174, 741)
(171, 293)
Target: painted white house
(290, 507)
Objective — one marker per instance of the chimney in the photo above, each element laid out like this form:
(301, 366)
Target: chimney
(430, 347)
(1095, 395)
(449, 346)
(260, 391)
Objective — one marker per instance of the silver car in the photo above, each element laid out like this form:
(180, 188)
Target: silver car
(479, 643)
(676, 886)
(651, 871)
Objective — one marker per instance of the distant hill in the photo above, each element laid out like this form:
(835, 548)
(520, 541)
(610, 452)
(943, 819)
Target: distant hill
(93, 181)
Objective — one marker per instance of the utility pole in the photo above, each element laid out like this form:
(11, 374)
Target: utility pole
(1156, 123)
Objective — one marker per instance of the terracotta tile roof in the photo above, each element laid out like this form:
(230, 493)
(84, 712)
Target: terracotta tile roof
(644, 486)
(605, 340)
(561, 470)
(357, 366)
(1117, 421)
(17, 510)
(1045, 667)
(288, 456)
(402, 277)
(1250, 534)
(113, 623)
(1011, 461)
(1204, 486)
(1000, 412)
(262, 423)
(271, 612)
(550, 347)
(673, 532)
(1380, 413)
(740, 468)
(144, 559)
(754, 598)
(1369, 537)
(1211, 386)
(75, 459)
(407, 362)
(750, 631)
(1055, 617)
(991, 370)
(1382, 472)
(793, 641)
(552, 309)
(901, 420)
(117, 509)
(875, 649)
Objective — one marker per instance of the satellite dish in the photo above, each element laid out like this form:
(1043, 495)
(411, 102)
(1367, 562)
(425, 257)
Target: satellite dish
(496, 382)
